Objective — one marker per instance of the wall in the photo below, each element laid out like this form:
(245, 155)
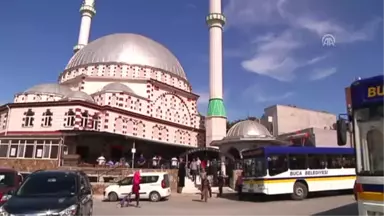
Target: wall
(116, 71)
(93, 86)
(327, 138)
(99, 188)
(108, 121)
(28, 165)
(270, 112)
(17, 118)
(3, 121)
(25, 98)
(290, 119)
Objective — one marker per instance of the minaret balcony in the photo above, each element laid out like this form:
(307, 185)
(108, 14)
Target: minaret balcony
(88, 9)
(215, 18)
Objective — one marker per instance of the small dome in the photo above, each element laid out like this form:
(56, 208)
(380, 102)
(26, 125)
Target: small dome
(130, 49)
(116, 87)
(79, 95)
(50, 88)
(248, 129)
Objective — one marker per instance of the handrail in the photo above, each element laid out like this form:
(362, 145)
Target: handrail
(110, 170)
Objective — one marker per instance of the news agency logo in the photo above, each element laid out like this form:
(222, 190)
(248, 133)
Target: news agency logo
(328, 40)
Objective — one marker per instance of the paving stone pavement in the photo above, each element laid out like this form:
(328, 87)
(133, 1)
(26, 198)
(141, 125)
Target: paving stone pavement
(191, 205)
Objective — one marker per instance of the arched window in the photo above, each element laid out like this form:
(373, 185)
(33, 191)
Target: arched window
(47, 118)
(69, 118)
(84, 119)
(29, 118)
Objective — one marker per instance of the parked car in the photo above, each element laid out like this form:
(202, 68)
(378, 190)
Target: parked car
(153, 186)
(9, 180)
(56, 192)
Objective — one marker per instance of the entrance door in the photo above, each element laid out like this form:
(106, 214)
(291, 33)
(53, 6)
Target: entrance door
(116, 152)
(83, 151)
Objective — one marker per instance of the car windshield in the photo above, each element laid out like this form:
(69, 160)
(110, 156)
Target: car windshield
(7, 179)
(369, 138)
(48, 184)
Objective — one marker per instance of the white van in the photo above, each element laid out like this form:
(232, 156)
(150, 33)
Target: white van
(153, 186)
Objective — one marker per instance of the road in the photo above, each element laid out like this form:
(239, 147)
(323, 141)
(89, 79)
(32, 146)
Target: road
(191, 205)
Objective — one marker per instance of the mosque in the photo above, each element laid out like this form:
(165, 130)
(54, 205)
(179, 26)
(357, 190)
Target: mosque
(117, 93)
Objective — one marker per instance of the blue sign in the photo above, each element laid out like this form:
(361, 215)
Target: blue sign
(367, 91)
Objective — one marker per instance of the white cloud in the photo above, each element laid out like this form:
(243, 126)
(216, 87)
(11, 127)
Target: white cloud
(251, 12)
(275, 57)
(319, 74)
(342, 33)
(275, 53)
(258, 94)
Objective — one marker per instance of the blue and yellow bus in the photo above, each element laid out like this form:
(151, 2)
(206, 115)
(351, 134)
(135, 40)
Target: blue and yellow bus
(366, 117)
(297, 171)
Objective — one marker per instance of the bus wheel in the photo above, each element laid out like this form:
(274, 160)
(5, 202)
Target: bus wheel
(300, 191)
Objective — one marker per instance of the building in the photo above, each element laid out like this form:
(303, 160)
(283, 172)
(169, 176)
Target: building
(301, 126)
(119, 92)
(245, 135)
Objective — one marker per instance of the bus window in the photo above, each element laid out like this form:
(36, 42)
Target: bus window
(316, 161)
(254, 167)
(349, 161)
(277, 164)
(297, 161)
(334, 161)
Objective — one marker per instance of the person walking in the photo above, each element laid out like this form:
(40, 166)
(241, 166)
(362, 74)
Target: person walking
(181, 175)
(205, 188)
(194, 169)
(220, 183)
(204, 175)
(239, 185)
(136, 187)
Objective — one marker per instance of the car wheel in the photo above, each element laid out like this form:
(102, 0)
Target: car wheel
(300, 191)
(154, 196)
(113, 197)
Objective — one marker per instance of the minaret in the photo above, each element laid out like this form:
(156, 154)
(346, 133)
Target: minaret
(87, 11)
(216, 120)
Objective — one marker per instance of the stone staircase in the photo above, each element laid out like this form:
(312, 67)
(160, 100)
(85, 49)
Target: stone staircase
(190, 187)
(194, 188)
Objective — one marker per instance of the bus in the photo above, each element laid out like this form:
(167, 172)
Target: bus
(366, 120)
(297, 171)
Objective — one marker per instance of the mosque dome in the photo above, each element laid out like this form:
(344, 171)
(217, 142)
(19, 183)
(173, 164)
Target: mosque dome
(49, 88)
(117, 87)
(248, 129)
(79, 95)
(127, 48)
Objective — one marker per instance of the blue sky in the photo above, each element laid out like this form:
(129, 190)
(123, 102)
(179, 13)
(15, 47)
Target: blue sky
(272, 48)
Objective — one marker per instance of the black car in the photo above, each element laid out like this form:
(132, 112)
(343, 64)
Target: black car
(55, 192)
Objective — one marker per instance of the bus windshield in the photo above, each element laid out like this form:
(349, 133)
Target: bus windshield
(254, 167)
(369, 137)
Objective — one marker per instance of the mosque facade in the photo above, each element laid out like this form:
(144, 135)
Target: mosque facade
(120, 84)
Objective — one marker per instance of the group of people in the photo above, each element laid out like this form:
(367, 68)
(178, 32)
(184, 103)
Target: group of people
(206, 171)
(157, 162)
(196, 166)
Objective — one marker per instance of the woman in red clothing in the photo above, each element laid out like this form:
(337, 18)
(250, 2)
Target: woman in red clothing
(136, 187)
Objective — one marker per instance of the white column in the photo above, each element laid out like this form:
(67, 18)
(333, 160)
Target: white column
(87, 11)
(216, 22)
(223, 168)
(215, 121)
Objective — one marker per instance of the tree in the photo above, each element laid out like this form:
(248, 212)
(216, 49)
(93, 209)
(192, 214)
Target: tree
(231, 123)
